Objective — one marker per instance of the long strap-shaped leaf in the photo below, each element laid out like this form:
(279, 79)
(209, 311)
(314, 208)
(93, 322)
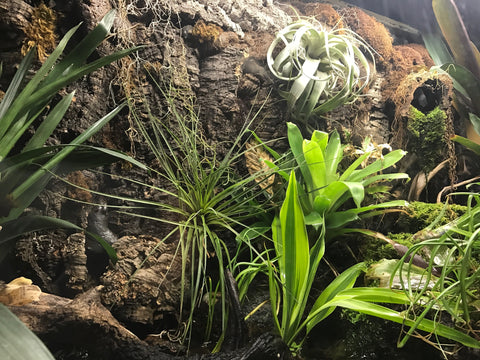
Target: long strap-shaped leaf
(293, 249)
(17, 341)
(24, 194)
(454, 31)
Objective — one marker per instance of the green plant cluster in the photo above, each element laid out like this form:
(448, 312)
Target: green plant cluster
(24, 174)
(427, 136)
(453, 254)
(316, 199)
(208, 204)
(462, 62)
(419, 215)
(207, 200)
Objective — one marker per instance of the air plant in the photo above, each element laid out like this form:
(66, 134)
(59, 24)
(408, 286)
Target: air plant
(323, 68)
(207, 199)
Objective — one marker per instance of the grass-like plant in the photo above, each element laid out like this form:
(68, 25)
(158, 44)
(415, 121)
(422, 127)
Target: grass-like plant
(205, 202)
(453, 253)
(323, 68)
(25, 174)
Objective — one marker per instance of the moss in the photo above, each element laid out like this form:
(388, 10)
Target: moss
(40, 32)
(373, 250)
(427, 138)
(417, 216)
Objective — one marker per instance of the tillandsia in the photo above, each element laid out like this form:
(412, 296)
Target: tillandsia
(323, 68)
(206, 199)
(452, 252)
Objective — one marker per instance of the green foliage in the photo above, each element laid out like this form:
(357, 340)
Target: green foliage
(418, 215)
(297, 264)
(291, 280)
(17, 341)
(428, 135)
(469, 144)
(323, 190)
(454, 253)
(298, 252)
(23, 176)
(464, 66)
(205, 201)
(323, 69)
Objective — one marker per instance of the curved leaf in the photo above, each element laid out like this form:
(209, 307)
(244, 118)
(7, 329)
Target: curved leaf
(19, 342)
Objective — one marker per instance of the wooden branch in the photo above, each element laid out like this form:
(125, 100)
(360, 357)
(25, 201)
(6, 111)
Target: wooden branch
(85, 323)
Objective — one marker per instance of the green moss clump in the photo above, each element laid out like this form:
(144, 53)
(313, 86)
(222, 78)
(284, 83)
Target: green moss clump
(427, 138)
(418, 215)
(373, 250)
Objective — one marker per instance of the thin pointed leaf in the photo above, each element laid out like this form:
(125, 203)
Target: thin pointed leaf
(295, 139)
(467, 143)
(454, 31)
(46, 128)
(24, 194)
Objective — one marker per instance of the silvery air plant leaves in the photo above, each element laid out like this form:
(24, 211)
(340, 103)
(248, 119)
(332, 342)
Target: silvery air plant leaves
(323, 68)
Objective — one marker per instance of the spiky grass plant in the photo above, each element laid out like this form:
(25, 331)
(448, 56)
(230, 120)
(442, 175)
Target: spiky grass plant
(453, 256)
(206, 198)
(23, 175)
(323, 68)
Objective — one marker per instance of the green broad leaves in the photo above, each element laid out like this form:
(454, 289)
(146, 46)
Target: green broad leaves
(297, 264)
(315, 198)
(323, 69)
(365, 300)
(459, 58)
(454, 32)
(325, 189)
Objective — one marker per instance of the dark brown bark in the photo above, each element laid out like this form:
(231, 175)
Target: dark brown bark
(85, 322)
